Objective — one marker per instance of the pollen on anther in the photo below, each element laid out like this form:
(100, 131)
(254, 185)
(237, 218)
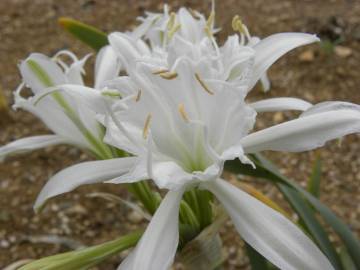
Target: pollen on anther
(193, 14)
(147, 125)
(168, 75)
(171, 20)
(204, 86)
(182, 112)
(157, 72)
(138, 96)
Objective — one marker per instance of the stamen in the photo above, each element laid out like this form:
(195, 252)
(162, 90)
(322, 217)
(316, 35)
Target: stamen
(193, 14)
(146, 126)
(182, 112)
(138, 96)
(206, 88)
(111, 93)
(168, 75)
(208, 32)
(160, 71)
(171, 21)
(172, 32)
(238, 25)
(210, 20)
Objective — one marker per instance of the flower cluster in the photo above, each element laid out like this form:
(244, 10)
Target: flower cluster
(180, 113)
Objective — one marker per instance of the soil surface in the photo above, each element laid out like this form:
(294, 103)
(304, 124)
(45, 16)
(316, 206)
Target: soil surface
(326, 71)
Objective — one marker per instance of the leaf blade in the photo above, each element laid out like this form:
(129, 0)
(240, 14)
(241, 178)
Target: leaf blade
(267, 171)
(313, 185)
(88, 34)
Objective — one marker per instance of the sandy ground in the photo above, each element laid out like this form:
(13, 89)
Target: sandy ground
(312, 73)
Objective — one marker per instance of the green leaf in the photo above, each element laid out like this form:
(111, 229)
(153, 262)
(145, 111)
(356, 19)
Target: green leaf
(347, 262)
(313, 185)
(85, 258)
(311, 224)
(267, 171)
(88, 34)
(257, 261)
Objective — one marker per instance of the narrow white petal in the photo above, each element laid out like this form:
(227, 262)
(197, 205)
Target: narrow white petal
(330, 106)
(267, 231)
(107, 66)
(86, 96)
(83, 174)
(39, 71)
(270, 49)
(265, 82)
(157, 247)
(30, 144)
(125, 48)
(280, 104)
(74, 73)
(304, 133)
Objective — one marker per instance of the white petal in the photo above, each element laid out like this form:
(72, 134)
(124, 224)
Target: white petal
(330, 106)
(39, 71)
(265, 82)
(270, 49)
(84, 95)
(107, 66)
(83, 174)
(280, 104)
(304, 133)
(267, 231)
(76, 70)
(157, 247)
(125, 47)
(29, 144)
(170, 175)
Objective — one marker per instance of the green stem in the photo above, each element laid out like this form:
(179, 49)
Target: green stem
(199, 201)
(142, 191)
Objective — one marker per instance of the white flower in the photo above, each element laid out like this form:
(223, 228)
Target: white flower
(160, 28)
(72, 123)
(181, 120)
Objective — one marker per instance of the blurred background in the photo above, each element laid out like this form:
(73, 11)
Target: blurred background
(326, 71)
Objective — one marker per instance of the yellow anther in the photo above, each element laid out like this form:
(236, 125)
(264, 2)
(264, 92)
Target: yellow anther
(204, 86)
(160, 71)
(237, 24)
(111, 93)
(138, 96)
(146, 126)
(182, 112)
(171, 21)
(193, 14)
(168, 75)
(210, 20)
(172, 32)
(208, 32)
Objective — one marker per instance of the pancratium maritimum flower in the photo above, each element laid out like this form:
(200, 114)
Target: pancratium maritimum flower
(181, 119)
(72, 123)
(160, 28)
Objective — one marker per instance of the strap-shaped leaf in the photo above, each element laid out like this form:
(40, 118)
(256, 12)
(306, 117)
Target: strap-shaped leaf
(257, 261)
(312, 225)
(313, 185)
(264, 169)
(88, 34)
(346, 260)
(87, 257)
